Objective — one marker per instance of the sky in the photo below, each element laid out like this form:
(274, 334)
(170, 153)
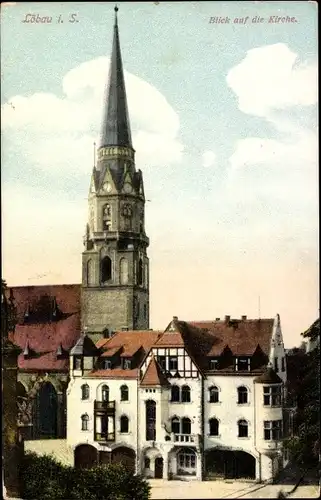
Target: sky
(224, 124)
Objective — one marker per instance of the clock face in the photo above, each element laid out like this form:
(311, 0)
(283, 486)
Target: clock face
(107, 187)
(127, 187)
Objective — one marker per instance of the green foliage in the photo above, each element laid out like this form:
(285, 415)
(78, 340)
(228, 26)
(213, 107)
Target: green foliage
(304, 448)
(43, 478)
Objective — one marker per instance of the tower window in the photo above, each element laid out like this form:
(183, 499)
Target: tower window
(107, 211)
(140, 272)
(106, 269)
(84, 422)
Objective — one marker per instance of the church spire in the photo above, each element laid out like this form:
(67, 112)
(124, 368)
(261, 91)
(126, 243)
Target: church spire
(116, 127)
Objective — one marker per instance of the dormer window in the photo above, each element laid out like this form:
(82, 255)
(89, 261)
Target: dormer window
(242, 364)
(213, 364)
(107, 364)
(127, 364)
(77, 363)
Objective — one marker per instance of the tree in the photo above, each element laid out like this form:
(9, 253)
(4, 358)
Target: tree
(304, 447)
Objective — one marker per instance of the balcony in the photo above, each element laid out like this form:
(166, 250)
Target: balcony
(105, 406)
(185, 439)
(105, 437)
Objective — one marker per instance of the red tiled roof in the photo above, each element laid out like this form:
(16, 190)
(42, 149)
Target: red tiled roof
(154, 375)
(241, 336)
(43, 332)
(111, 351)
(115, 373)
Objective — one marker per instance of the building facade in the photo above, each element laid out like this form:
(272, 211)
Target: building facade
(199, 400)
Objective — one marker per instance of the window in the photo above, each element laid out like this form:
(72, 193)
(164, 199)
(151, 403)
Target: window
(242, 394)
(77, 363)
(147, 463)
(272, 430)
(106, 211)
(162, 362)
(140, 272)
(84, 422)
(242, 364)
(175, 394)
(214, 425)
(107, 364)
(214, 394)
(124, 424)
(150, 420)
(173, 363)
(85, 391)
(186, 394)
(186, 425)
(105, 393)
(187, 459)
(283, 364)
(272, 396)
(276, 365)
(106, 269)
(124, 393)
(243, 428)
(213, 364)
(127, 364)
(175, 425)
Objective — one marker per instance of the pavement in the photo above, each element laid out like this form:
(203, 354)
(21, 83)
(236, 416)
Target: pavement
(175, 490)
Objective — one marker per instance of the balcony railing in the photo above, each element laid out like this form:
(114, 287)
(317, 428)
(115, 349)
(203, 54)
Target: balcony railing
(184, 438)
(104, 436)
(104, 405)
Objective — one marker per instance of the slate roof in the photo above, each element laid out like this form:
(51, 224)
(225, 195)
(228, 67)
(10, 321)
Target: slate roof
(43, 331)
(268, 377)
(154, 375)
(116, 127)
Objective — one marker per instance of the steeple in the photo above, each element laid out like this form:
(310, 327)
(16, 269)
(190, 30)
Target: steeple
(116, 127)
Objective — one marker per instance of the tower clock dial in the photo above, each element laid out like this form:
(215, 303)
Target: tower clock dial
(107, 187)
(128, 188)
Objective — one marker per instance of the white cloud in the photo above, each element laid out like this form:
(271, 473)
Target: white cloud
(209, 158)
(269, 78)
(269, 83)
(58, 132)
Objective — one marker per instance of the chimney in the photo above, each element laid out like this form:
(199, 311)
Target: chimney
(217, 319)
(175, 318)
(243, 318)
(227, 319)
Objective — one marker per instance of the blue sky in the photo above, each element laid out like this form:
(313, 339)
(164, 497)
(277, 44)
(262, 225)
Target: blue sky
(225, 128)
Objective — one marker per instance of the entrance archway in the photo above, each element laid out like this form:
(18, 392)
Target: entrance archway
(229, 464)
(85, 456)
(124, 455)
(159, 464)
(46, 412)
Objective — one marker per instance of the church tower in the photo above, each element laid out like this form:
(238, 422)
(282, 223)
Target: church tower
(115, 268)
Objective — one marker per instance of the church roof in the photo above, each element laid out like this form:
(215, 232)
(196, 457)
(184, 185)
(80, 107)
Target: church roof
(154, 375)
(52, 322)
(116, 127)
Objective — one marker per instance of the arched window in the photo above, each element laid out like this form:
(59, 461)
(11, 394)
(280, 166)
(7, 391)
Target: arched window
(150, 420)
(90, 273)
(175, 393)
(105, 393)
(243, 428)
(186, 425)
(85, 391)
(214, 394)
(214, 426)
(242, 395)
(187, 461)
(106, 211)
(123, 272)
(124, 393)
(84, 422)
(175, 425)
(124, 423)
(106, 269)
(186, 394)
(140, 272)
